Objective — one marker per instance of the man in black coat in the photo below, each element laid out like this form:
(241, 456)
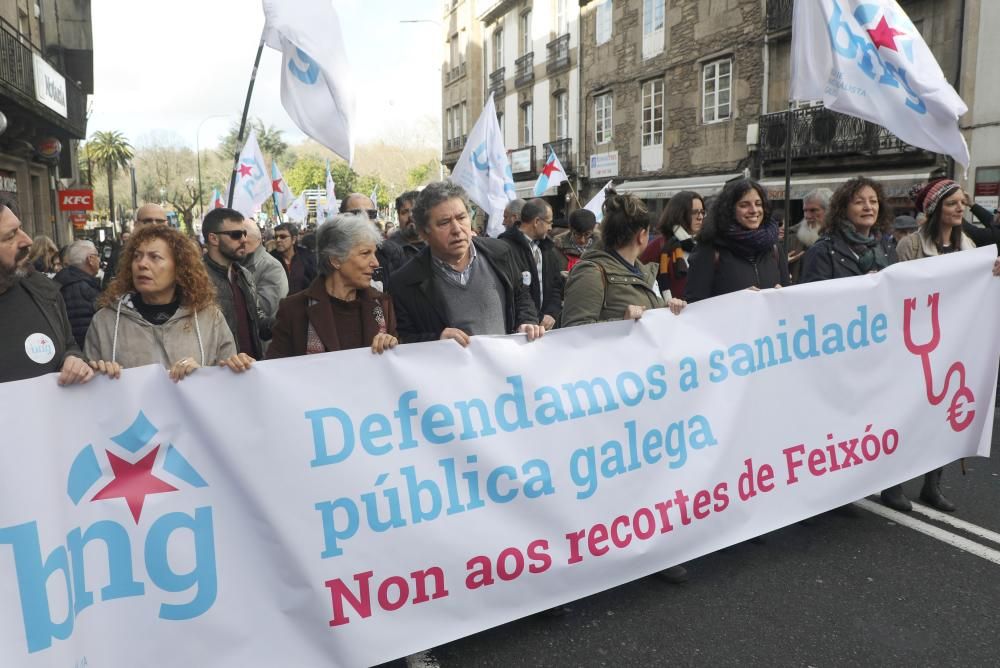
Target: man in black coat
(298, 261)
(459, 286)
(389, 254)
(538, 259)
(79, 286)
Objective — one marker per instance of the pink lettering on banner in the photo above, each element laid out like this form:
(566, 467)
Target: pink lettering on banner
(960, 412)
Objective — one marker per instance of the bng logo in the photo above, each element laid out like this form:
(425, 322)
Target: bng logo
(138, 466)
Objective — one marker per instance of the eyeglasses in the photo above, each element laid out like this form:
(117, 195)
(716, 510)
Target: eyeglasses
(698, 214)
(235, 235)
(281, 237)
(371, 213)
(147, 221)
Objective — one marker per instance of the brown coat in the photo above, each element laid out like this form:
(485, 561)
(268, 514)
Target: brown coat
(312, 306)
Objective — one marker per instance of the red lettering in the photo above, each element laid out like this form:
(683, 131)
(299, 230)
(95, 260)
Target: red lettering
(403, 591)
(620, 542)
(596, 539)
(502, 570)
(539, 555)
(647, 515)
(701, 502)
(340, 592)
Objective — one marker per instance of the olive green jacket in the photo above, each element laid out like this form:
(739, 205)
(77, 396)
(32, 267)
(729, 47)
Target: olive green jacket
(600, 288)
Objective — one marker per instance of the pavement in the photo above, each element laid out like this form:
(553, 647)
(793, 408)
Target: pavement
(879, 589)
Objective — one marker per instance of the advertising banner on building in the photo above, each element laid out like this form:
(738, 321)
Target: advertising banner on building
(345, 509)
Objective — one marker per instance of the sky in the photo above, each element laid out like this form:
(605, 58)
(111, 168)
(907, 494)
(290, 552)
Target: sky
(178, 71)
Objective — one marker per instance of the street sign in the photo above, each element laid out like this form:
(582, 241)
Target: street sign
(76, 200)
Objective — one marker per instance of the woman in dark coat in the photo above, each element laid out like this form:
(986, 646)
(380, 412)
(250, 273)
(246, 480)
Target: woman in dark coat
(737, 246)
(339, 310)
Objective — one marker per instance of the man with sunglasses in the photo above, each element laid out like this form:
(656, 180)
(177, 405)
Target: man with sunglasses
(299, 263)
(147, 214)
(389, 254)
(226, 247)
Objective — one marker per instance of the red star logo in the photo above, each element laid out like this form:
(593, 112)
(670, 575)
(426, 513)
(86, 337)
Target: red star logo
(550, 168)
(246, 170)
(276, 185)
(133, 482)
(885, 36)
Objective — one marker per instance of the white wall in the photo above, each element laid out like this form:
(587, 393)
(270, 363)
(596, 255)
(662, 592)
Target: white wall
(984, 141)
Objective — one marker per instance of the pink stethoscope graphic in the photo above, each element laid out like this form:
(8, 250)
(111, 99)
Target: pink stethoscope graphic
(960, 411)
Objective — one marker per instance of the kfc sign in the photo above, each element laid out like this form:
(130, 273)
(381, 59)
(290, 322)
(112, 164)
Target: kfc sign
(76, 200)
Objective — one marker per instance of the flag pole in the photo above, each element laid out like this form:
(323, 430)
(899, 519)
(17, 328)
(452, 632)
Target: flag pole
(789, 121)
(243, 122)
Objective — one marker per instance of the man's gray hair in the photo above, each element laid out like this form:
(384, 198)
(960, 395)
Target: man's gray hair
(79, 251)
(821, 196)
(514, 206)
(434, 194)
(339, 235)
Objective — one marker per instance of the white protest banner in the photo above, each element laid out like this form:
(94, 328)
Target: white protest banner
(437, 491)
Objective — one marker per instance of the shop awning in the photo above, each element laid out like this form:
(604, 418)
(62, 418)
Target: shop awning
(526, 189)
(666, 188)
(895, 184)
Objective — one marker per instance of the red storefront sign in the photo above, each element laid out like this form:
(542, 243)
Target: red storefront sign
(76, 200)
(79, 220)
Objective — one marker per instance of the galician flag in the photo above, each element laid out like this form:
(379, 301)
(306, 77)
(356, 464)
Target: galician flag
(282, 194)
(596, 203)
(552, 174)
(217, 201)
(253, 186)
(484, 170)
(316, 86)
(865, 58)
(374, 195)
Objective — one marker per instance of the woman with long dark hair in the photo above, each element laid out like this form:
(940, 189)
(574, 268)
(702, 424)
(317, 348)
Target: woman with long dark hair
(679, 225)
(737, 246)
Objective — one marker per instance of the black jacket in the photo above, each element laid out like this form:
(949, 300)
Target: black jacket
(832, 257)
(552, 287)
(79, 290)
(421, 314)
(715, 270)
(302, 271)
(982, 236)
(45, 293)
(410, 248)
(390, 259)
(260, 324)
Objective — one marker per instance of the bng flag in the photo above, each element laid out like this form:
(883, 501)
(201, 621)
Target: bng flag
(865, 58)
(282, 195)
(484, 170)
(316, 86)
(253, 186)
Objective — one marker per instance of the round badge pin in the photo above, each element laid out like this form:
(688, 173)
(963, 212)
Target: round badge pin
(39, 348)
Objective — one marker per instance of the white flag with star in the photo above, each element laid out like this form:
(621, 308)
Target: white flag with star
(253, 186)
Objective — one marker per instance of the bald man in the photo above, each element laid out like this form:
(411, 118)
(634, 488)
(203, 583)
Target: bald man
(147, 214)
(268, 274)
(389, 254)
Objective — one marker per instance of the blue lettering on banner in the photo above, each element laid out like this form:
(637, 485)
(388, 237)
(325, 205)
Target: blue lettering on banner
(310, 74)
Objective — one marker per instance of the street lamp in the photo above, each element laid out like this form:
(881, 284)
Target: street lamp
(197, 152)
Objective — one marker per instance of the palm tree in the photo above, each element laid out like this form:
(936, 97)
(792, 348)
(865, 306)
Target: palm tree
(111, 151)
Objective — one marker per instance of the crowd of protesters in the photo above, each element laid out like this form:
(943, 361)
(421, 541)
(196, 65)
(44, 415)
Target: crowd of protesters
(169, 300)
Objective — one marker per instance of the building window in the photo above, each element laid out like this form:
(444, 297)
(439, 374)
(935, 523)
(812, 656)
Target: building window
(498, 48)
(602, 118)
(527, 125)
(526, 46)
(716, 90)
(652, 125)
(500, 122)
(463, 117)
(453, 44)
(562, 115)
(562, 22)
(603, 18)
(652, 27)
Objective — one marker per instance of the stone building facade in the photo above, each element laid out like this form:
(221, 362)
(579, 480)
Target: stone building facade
(461, 77)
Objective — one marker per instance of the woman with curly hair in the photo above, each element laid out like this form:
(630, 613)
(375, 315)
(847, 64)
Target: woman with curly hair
(680, 224)
(160, 309)
(737, 246)
(853, 239)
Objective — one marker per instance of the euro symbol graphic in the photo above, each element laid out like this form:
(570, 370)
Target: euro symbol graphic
(310, 74)
(483, 166)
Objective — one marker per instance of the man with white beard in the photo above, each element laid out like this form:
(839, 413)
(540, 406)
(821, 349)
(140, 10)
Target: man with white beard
(807, 231)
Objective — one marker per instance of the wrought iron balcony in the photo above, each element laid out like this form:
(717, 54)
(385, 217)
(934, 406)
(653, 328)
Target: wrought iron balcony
(497, 85)
(564, 151)
(818, 132)
(455, 73)
(525, 73)
(558, 54)
(17, 73)
(779, 15)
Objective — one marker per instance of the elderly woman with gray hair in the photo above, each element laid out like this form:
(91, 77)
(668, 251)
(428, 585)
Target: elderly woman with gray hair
(339, 310)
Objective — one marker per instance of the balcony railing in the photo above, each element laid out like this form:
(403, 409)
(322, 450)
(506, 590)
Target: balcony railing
(818, 132)
(525, 73)
(779, 15)
(17, 71)
(456, 73)
(497, 85)
(564, 151)
(558, 54)
(455, 143)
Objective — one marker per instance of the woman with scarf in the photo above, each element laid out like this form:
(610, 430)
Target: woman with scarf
(737, 247)
(680, 224)
(853, 239)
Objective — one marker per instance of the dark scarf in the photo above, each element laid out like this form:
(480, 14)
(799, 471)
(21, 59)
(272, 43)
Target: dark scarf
(871, 257)
(749, 244)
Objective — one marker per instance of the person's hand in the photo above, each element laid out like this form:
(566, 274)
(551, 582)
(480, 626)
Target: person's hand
(777, 286)
(795, 256)
(548, 322)
(74, 372)
(237, 363)
(676, 305)
(456, 335)
(753, 288)
(183, 368)
(633, 312)
(112, 370)
(533, 331)
(996, 267)
(382, 342)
